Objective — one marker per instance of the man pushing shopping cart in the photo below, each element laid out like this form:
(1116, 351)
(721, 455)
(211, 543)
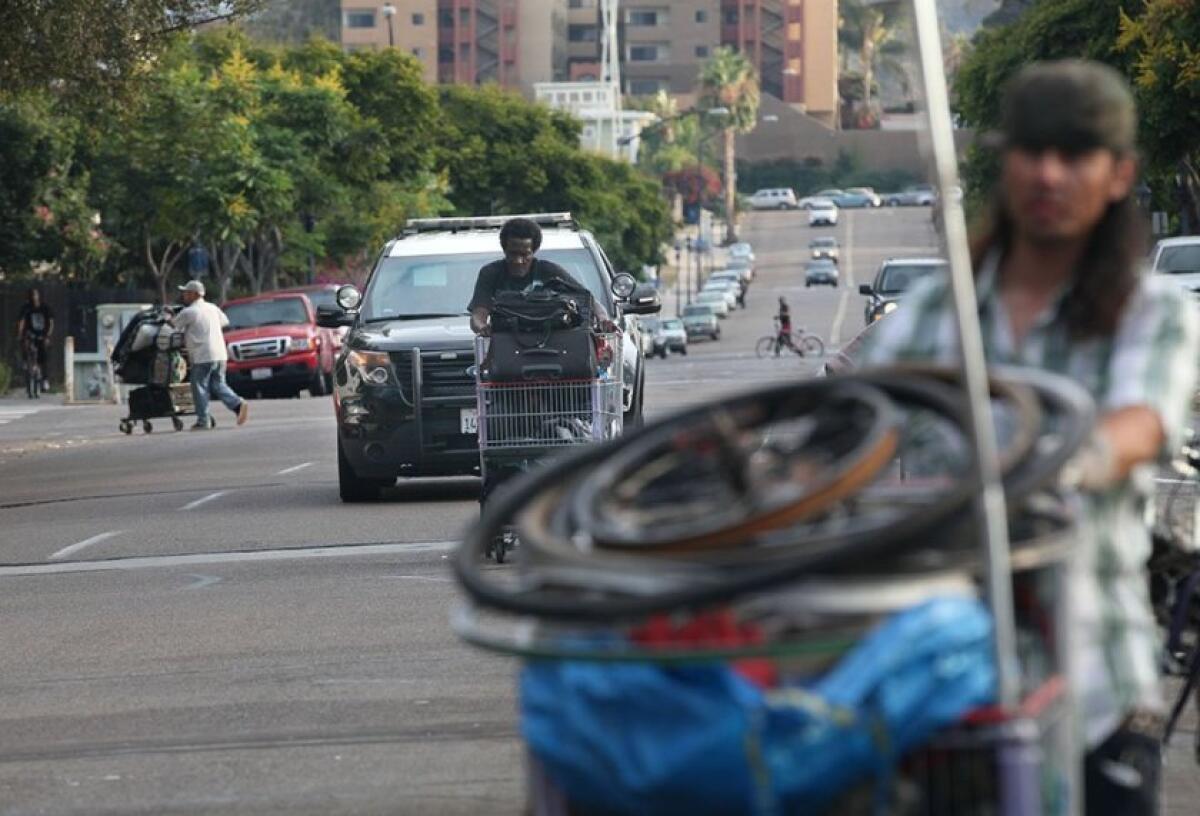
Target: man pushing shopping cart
(547, 362)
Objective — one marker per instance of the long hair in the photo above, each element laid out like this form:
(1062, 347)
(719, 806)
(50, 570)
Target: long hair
(1107, 272)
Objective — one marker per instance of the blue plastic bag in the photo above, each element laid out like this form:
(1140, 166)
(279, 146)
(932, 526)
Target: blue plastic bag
(641, 738)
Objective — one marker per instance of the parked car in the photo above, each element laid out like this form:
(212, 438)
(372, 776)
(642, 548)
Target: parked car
(404, 399)
(1179, 258)
(730, 289)
(824, 247)
(734, 275)
(647, 326)
(773, 198)
(895, 277)
(743, 266)
(276, 347)
(322, 294)
(823, 213)
(915, 195)
(742, 250)
(819, 273)
(670, 336)
(806, 203)
(868, 193)
(718, 300)
(850, 200)
(700, 320)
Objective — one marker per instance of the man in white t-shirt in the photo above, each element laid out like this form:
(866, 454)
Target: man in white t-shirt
(201, 323)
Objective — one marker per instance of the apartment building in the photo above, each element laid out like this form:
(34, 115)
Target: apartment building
(410, 25)
(515, 43)
(664, 43)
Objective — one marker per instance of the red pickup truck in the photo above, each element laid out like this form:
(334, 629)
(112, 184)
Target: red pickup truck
(276, 347)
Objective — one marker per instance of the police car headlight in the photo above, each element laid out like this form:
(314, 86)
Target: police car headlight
(889, 307)
(372, 366)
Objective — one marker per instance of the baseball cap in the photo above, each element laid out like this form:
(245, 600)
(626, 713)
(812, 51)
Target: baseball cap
(1072, 105)
(193, 286)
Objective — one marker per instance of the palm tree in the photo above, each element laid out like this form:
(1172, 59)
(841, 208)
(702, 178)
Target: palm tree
(873, 29)
(728, 80)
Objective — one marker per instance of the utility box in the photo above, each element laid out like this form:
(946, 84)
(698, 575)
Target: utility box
(89, 376)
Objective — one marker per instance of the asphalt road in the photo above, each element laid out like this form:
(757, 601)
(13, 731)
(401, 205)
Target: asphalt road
(193, 623)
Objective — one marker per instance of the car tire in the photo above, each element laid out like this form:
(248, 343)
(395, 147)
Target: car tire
(683, 351)
(316, 388)
(633, 417)
(352, 488)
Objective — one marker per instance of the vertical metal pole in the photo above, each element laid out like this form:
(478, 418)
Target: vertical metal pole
(992, 515)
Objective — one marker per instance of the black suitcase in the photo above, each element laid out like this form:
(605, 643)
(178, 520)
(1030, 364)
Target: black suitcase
(150, 402)
(565, 354)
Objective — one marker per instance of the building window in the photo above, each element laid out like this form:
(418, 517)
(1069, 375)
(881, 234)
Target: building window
(418, 19)
(702, 51)
(582, 33)
(587, 96)
(446, 53)
(446, 18)
(360, 19)
(701, 15)
(794, 31)
(646, 87)
(731, 16)
(642, 17)
(647, 53)
(464, 17)
(574, 96)
(418, 53)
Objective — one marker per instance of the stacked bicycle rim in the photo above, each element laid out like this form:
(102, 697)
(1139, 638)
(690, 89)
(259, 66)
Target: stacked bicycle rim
(774, 531)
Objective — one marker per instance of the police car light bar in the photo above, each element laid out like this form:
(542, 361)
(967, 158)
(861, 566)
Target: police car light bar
(487, 222)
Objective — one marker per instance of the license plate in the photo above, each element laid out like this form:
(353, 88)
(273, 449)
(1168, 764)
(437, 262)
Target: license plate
(260, 373)
(469, 420)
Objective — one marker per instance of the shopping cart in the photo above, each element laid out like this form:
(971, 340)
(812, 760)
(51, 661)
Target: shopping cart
(521, 423)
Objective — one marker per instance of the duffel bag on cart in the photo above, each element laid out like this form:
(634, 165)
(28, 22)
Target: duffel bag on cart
(543, 335)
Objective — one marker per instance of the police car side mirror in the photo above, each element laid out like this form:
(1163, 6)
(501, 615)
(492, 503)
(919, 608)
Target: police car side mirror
(644, 300)
(865, 289)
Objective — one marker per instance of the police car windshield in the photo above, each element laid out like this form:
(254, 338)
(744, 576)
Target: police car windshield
(1178, 260)
(421, 285)
(897, 278)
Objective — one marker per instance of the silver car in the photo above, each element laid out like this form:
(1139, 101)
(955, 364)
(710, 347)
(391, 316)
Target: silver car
(819, 273)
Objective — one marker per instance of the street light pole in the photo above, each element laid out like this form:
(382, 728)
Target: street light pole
(389, 11)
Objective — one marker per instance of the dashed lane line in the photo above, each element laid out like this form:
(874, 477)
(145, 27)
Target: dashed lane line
(203, 501)
(294, 469)
(87, 542)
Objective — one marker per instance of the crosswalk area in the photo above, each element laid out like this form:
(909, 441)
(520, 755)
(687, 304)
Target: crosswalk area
(11, 413)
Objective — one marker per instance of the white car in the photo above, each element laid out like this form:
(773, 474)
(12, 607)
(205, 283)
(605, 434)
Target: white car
(742, 251)
(773, 198)
(727, 288)
(717, 300)
(824, 213)
(1179, 258)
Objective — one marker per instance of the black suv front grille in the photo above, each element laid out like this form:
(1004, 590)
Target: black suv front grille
(448, 373)
(443, 373)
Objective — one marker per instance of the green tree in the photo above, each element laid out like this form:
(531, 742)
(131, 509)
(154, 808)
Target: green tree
(92, 48)
(45, 217)
(728, 80)
(1050, 29)
(1164, 42)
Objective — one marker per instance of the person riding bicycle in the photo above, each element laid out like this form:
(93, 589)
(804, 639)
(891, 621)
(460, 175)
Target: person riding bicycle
(35, 325)
(783, 335)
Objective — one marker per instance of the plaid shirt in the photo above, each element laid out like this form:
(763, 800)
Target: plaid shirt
(1150, 361)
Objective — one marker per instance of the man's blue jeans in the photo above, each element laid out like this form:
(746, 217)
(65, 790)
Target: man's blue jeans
(208, 380)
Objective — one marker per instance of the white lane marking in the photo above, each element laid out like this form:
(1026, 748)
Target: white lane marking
(246, 556)
(438, 579)
(87, 542)
(286, 471)
(203, 501)
(1177, 481)
(835, 331)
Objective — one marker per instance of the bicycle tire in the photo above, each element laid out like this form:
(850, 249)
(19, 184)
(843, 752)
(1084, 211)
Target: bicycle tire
(765, 346)
(862, 453)
(695, 584)
(811, 345)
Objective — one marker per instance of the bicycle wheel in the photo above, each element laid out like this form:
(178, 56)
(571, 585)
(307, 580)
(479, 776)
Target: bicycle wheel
(765, 346)
(811, 346)
(566, 577)
(750, 466)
